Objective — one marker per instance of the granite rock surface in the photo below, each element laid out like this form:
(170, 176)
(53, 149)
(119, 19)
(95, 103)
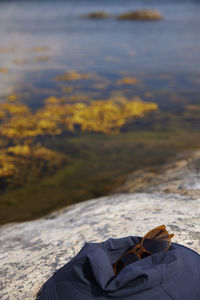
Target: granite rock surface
(30, 252)
(180, 175)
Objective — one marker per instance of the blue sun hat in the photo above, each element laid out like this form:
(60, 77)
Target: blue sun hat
(174, 274)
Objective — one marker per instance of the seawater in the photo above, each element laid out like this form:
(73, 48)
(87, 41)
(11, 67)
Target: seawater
(42, 40)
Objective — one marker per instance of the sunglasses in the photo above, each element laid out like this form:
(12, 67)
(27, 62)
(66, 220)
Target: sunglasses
(156, 240)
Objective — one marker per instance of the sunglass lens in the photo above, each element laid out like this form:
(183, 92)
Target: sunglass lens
(156, 241)
(126, 260)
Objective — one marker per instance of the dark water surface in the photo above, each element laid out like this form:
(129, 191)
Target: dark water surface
(48, 50)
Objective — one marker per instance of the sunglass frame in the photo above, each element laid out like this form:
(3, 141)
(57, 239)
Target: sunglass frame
(138, 249)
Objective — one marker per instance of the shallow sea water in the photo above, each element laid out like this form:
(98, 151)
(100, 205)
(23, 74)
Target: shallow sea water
(42, 40)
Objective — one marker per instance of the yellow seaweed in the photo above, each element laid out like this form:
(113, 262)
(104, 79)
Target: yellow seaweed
(13, 109)
(72, 76)
(127, 80)
(3, 70)
(22, 150)
(41, 49)
(13, 97)
(22, 127)
(7, 167)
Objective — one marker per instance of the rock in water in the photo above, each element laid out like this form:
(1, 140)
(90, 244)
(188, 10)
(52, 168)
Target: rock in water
(143, 15)
(97, 15)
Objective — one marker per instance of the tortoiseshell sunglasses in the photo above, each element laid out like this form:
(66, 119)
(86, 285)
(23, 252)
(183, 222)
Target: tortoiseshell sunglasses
(156, 240)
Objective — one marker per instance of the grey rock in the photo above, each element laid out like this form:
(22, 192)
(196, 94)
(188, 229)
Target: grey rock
(30, 252)
(180, 175)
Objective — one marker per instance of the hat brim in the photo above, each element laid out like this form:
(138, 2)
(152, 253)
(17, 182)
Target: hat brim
(69, 291)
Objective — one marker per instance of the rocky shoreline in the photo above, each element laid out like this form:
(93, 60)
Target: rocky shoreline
(180, 175)
(30, 252)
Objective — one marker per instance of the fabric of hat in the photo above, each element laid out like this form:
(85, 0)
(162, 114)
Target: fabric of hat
(174, 274)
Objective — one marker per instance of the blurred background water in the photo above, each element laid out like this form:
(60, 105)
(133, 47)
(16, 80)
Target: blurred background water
(47, 49)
